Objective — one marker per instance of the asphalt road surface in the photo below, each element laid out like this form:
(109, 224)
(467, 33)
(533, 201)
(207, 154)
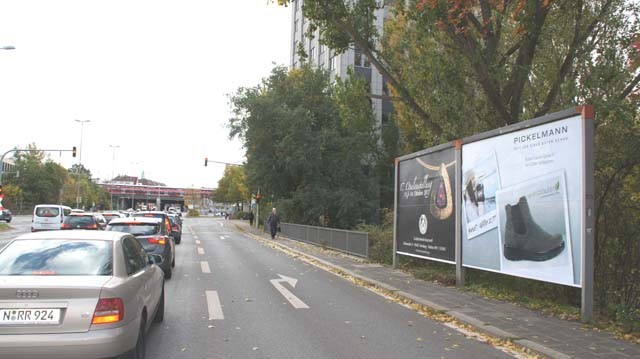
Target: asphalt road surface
(19, 225)
(232, 297)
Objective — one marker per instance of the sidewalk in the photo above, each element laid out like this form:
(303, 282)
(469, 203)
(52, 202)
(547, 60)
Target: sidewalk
(547, 336)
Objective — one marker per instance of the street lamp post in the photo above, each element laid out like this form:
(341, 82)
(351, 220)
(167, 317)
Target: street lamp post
(113, 165)
(82, 122)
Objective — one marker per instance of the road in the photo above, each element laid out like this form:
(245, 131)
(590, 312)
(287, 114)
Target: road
(233, 297)
(239, 309)
(19, 225)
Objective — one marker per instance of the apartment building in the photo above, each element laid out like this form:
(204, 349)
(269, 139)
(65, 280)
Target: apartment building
(338, 64)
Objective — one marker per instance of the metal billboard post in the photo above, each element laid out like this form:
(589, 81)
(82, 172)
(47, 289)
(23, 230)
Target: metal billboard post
(395, 216)
(460, 272)
(588, 213)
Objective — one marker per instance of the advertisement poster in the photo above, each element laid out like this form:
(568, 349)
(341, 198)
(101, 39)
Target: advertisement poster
(522, 207)
(426, 211)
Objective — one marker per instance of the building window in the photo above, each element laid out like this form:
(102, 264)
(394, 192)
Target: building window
(333, 65)
(360, 59)
(312, 54)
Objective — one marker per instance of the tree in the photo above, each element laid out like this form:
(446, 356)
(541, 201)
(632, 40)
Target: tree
(306, 148)
(520, 56)
(232, 187)
(41, 180)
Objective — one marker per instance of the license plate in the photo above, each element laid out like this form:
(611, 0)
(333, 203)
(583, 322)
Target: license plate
(29, 316)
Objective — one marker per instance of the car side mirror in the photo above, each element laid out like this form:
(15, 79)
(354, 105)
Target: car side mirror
(155, 258)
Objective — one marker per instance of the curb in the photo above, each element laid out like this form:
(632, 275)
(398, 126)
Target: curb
(522, 343)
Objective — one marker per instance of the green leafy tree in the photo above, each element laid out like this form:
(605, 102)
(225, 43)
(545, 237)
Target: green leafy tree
(40, 180)
(306, 149)
(232, 187)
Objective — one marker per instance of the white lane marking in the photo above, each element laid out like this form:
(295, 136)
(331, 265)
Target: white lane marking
(222, 237)
(295, 301)
(205, 267)
(196, 237)
(197, 241)
(200, 250)
(221, 224)
(213, 305)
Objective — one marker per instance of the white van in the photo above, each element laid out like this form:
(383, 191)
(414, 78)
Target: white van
(48, 217)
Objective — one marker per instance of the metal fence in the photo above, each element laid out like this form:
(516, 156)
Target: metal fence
(351, 242)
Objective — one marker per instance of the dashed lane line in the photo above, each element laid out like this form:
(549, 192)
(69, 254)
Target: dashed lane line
(205, 267)
(213, 305)
(200, 250)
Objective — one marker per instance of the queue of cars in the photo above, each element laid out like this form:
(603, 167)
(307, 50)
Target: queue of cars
(91, 290)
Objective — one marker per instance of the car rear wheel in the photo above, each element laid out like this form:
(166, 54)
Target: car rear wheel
(178, 240)
(160, 310)
(168, 272)
(139, 352)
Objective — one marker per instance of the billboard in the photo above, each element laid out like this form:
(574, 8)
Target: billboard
(425, 226)
(522, 202)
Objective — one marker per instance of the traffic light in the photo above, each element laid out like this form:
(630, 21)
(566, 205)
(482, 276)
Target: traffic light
(74, 151)
(258, 198)
(206, 161)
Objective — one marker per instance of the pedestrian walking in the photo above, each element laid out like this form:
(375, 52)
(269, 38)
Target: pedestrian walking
(250, 218)
(273, 222)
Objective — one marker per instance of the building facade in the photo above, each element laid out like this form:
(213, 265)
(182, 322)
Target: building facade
(338, 64)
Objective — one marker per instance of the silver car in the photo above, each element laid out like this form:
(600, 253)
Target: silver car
(77, 294)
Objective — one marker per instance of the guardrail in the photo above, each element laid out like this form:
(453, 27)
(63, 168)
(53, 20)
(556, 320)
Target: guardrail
(351, 242)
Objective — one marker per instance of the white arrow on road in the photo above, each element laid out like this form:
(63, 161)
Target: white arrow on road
(295, 301)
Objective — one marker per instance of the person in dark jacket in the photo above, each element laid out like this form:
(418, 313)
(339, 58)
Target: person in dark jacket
(273, 222)
(250, 218)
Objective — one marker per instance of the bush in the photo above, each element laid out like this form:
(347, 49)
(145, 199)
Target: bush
(240, 215)
(193, 213)
(380, 239)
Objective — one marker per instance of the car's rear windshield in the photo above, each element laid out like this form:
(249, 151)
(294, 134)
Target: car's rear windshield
(80, 220)
(137, 229)
(47, 211)
(57, 257)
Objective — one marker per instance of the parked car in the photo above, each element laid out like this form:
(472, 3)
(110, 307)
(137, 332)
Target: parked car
(77, 294)
(158, 214)
(82, 221)
(153, 235)
(48, 217)
(176, 227)
(6, 215)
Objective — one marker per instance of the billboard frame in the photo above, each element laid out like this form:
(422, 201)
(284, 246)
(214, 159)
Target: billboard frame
(456, 145)
(588, 207)
(586, 112)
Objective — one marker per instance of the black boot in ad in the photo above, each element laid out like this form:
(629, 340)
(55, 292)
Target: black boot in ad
(524, 239)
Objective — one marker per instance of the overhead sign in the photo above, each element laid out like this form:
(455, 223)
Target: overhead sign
(426, 205)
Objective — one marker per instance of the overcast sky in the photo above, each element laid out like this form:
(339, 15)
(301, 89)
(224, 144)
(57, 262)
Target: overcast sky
(151, 76)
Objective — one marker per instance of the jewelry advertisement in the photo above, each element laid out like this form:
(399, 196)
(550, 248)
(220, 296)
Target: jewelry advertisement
(426, 208)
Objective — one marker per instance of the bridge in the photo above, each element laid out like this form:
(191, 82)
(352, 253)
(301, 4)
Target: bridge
(134, 196)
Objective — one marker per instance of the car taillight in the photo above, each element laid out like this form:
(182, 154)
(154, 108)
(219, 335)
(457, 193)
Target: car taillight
(93, 226)
(158, 240)
(108, 310)
(175, 228)
(65, 226)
